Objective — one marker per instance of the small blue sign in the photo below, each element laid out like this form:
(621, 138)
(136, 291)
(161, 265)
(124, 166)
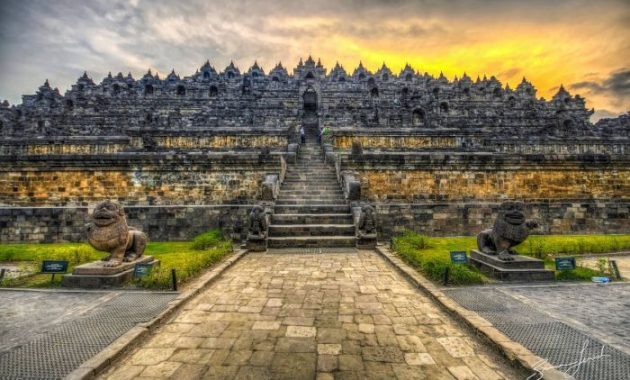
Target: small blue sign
(141, 270)
(54, 266)
(565, 263)
(459, 257)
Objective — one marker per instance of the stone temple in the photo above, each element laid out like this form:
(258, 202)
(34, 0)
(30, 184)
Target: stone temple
(184, 154)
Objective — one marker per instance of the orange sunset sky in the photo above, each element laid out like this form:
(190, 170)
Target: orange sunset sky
(584, 45)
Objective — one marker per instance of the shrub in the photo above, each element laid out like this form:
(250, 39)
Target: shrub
(207, 240)
(431, 257)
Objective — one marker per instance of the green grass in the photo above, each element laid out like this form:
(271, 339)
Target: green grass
(188, 258)
(542, 245)
(430, 255)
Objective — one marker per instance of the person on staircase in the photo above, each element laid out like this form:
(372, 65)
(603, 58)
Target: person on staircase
(324, 135)
(302, 135)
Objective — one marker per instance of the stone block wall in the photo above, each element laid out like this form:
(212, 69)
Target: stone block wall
(395, 142)
(479, 184)
(577, 216)
(137, 179)
(459, 193)
(161, 223)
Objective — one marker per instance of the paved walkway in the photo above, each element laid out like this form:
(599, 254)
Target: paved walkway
(48, 334)
(312, 316)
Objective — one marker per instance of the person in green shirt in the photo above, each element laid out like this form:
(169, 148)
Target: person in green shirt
(325, 134)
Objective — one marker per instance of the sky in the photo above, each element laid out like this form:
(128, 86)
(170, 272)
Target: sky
(581, 44)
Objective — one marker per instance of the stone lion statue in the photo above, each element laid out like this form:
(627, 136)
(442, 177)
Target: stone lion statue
(108, 231)
(367, 222)
(257, 224)
(510, 229)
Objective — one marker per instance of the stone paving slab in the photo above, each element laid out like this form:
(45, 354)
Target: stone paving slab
(48, 334)
(305, 316)
(580, 323)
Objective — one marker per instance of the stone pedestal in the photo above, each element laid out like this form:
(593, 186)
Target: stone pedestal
(95, 275)
(257, 245)
(366, 241)
(522, 268)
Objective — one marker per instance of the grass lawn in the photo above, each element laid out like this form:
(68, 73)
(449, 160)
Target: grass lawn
(188, 258)
(430, 255)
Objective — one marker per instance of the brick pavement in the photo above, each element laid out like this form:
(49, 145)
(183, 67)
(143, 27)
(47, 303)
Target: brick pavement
(312, 316)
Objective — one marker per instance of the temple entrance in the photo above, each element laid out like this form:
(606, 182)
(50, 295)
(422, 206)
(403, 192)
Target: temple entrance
(310, 101)
(310, 121)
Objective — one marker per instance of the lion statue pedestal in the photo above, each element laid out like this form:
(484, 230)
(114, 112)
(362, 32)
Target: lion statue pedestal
(107, 231)
(366, 235)
(496, 255)
(257, 226)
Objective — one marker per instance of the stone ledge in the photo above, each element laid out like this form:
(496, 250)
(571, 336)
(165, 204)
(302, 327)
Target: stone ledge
(97, 364)
(513, 351)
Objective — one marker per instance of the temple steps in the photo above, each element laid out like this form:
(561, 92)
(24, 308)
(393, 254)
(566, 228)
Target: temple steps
(311, 241)
(311, 230)
(311, 210)
(311, 219)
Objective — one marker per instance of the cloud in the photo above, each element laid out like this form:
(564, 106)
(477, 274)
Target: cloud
(618, 84)
(615, 88)
(564, 41)
(603, 114)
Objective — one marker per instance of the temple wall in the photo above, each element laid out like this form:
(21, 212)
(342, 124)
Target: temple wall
(221, 141)
(565, 216)
(161, 223)
(395, 142)
(459, 194)
(149, 179)
(476, 184)
(415, 140)
(217, 140)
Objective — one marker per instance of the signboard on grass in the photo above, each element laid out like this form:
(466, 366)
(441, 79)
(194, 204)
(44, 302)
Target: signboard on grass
(54, 266)
(141, 270)
(565, 263)
(459, 257)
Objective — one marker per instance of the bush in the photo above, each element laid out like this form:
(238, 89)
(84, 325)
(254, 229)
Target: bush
(578, 274)
(431, 257)
(542, 245)
(189, 261)
(207, 240)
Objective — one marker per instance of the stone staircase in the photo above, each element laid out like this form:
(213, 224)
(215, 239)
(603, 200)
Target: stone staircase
(310, 210)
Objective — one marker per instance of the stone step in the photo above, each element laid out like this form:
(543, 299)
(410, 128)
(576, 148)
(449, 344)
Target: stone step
(311, 241)
(314, 163)
(311, 192)
(323, 174)
(311, 218)
(302, 186)
(311, 173)
(300, 201)
(310, 200)
(300, 230)
(313, 200)
(312, 209)
(310, 179)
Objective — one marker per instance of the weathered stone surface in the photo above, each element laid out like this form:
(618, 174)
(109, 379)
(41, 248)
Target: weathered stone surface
(107, 231)
(211, 138)
(510, 229)
(301, 281)
(98, 268)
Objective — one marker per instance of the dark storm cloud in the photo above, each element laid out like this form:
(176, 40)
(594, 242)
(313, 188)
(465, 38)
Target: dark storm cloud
(58, 39)
(617, 84)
